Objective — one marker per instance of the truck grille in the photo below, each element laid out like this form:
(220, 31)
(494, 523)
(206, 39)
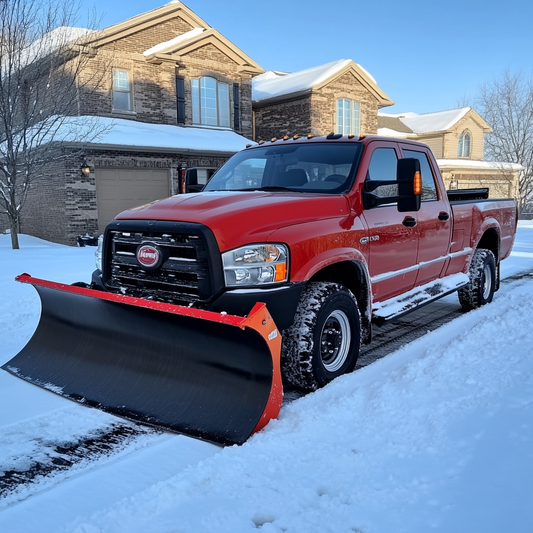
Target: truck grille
(183, 276)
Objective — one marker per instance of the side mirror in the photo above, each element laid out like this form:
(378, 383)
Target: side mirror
(409, 183)
(189, 181)
(409, 179)
(194, 179)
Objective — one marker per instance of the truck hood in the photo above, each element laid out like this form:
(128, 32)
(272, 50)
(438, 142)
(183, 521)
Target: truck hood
(238, 218)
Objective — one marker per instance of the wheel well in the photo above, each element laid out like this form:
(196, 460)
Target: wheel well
(491, 241)
(352, 275)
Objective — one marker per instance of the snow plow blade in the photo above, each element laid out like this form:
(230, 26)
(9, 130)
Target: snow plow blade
(207, 375)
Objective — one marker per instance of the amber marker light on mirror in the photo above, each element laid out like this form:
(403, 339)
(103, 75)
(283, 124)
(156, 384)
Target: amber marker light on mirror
(417, 183)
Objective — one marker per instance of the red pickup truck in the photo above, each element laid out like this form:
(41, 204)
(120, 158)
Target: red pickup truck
(333, 233)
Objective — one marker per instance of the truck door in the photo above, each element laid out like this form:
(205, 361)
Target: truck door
(393, 236)
(434, 222)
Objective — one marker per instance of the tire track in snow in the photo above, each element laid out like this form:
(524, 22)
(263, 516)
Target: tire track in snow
(62, 460)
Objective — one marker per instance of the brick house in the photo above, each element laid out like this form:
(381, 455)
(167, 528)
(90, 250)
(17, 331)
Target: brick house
(339, 97)
(456, 137)
(177, 94)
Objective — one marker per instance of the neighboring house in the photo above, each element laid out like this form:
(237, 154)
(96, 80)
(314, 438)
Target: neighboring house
(179, 95)
(456, 137)
(338, 97)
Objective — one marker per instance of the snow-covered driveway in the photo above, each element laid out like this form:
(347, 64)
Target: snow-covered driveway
(437, 436)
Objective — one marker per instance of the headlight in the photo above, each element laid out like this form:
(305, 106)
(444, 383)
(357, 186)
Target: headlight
(98, 253)
(256, 264)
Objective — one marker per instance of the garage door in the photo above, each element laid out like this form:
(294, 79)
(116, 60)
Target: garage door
(120, 189)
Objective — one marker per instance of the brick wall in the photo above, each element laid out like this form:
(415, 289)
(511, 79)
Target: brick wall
(316, 113)
(154, 86)
(62, 203)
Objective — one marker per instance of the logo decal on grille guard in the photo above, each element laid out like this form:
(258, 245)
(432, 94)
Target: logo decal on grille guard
(149, 256)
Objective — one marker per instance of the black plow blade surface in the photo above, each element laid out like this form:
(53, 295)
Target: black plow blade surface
(205, 378)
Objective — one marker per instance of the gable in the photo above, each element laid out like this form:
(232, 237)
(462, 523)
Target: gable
(273, 87)
(208, 44)
(175, 13)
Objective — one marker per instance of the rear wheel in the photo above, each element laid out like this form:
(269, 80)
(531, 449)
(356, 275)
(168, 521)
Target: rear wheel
(482, 281)
(324, 340)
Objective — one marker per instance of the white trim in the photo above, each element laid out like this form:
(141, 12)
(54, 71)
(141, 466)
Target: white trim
(402, 271)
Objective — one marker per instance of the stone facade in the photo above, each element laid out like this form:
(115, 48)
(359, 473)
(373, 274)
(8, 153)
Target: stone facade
(315, 111)
(62, 203)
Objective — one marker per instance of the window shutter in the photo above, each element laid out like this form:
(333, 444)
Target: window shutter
(236, 107)
(180, 95)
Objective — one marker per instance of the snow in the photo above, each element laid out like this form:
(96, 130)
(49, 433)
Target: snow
(52, 41)
(490, 165)
(430, 122)
(437, 436)
(270, 84)
(179, 39)
(122, 132)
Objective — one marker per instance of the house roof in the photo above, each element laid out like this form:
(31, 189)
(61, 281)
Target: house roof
(131, 135)
(469, 164)
(275, 86)
(200, 34)
(427, 123)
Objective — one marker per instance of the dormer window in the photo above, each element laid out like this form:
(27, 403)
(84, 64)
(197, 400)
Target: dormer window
(348, 117)
(210, 102)
(464, 145)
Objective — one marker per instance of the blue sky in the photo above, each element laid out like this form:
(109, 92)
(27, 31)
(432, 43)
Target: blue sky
(427, 55)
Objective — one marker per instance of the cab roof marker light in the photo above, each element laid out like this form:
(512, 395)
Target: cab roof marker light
(261, 142)
(273, 140)
(351, 136)
(248, 146)
(296, 137)
(310, 136)
(285, 137)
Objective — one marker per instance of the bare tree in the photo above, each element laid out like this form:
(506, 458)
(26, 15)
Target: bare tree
(42, 58)
(506, 104)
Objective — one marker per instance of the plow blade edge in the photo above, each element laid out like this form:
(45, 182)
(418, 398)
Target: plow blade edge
(208, 375)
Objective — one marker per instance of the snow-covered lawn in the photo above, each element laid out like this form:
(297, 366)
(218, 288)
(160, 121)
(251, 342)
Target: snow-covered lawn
(437, 436)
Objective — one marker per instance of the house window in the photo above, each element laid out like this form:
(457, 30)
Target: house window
(348, 116)
(464, 145)
(210, 102)
(122, 97)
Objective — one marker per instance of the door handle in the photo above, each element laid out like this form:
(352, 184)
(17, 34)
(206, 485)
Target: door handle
(409, 222)
(443, 215)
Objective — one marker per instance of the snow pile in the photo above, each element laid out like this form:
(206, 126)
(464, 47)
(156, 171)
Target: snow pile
(437, 436)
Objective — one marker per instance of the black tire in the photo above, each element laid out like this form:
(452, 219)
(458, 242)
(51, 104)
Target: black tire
(482, 284)
(325, 338)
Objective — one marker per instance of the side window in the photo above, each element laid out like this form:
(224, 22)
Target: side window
(429, 190)
(122, 94)
(383, 167)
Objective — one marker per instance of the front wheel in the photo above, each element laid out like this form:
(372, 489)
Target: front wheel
(482, 281)
(325, 338)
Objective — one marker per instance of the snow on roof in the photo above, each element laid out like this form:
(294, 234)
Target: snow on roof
(122, 132)
(272, 84)
(180, 38)
(430, 122)
(469, 163)
(52, 41)
(387, 132)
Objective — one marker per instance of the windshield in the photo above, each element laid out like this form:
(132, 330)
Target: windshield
(315, 167)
